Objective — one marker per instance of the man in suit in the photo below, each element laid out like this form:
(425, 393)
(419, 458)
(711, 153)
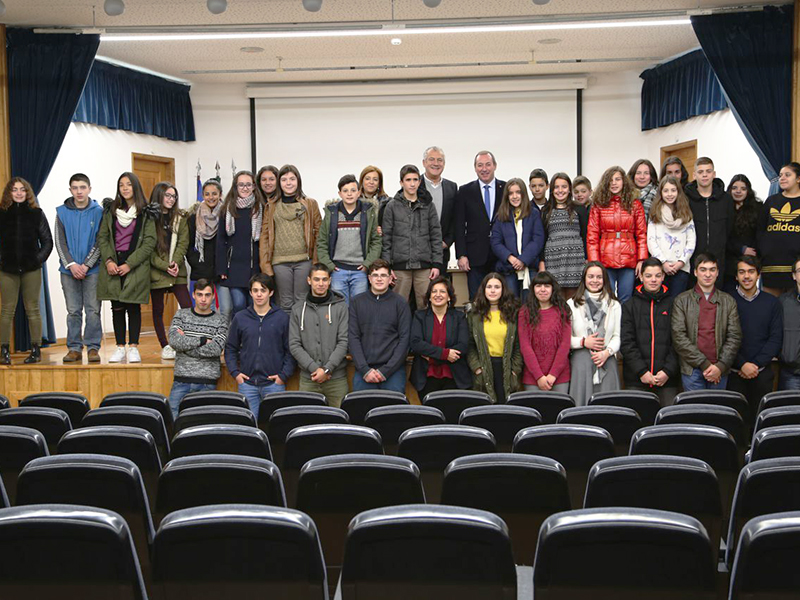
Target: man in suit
(443, 191)
(475, 209)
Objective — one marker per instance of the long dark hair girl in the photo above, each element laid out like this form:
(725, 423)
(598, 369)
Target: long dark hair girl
(744, 221)
(229, 204)
(259, 191)
(508, 304)
(505, 211)
(139, 199)
(550, 205)
(165, 220)
(608, 291)
(602, 194)
(556, 299)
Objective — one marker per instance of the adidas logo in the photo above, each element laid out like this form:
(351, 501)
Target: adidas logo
(785, 214)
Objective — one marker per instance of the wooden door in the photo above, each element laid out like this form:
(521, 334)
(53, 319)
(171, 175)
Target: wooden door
(686, 151)
(151, 170)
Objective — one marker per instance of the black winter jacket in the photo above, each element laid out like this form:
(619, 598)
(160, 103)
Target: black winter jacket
(25, 239)
(713, 221)
(423, 349)
(207, 269)
(646, 336)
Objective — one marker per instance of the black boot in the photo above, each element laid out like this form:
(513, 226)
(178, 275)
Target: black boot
(5, 355)
(35, 356)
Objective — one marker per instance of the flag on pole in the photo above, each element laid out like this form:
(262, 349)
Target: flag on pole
(199, 183)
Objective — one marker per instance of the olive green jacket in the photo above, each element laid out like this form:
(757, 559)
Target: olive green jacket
(159, 263)
(478, 358)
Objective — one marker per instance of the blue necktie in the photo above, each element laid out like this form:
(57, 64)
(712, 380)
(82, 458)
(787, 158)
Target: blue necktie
(487, 201)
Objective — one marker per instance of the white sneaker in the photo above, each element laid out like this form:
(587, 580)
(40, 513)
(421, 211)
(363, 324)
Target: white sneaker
(168, 353)
(133, 355)
(118, 356)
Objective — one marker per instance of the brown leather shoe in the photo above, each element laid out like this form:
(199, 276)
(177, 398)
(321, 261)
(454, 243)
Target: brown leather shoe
(73, 356)
(93, 355)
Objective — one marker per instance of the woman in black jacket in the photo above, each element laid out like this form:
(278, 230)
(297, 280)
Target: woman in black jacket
(439, 342)
(25, 244)
(745, 224)
(649, 360)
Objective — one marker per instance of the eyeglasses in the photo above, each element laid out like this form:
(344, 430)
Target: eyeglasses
(379, 275)
(171, 196)
(244, 186)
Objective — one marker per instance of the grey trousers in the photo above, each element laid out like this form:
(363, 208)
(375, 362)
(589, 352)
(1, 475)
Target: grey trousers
(292, 282)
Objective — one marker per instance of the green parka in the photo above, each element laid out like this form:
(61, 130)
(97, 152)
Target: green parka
(159, 263)
(478, 358)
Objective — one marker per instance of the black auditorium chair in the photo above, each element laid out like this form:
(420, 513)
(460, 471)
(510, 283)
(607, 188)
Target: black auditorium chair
(675, 483)
(729, 398)
(358, 404)
(132, 416)
(208, 479)
(212, 398)
(724, 417)
(624, 554)
(780, 415)
(619, 421)
(779, 398)
(549, 404)
(4, 501)
(78, 552)
(221, 439)
(238, 551)
(51, 422)
(18, 446)
(503, 420)
(521, 489)
(272, 402)
(97, 480)
(576, 447)
(428, 552)
(766, 561)
(283, 420)
(75, 405)
(645, 403)
(214, 415)
(453, 402)
(314, 441)
(334, 489)
(433, 447)
(134, 443)
(145, 399)
(4, 402)
(774, 442)
(392, 421)
(713, 445)
(765, 487)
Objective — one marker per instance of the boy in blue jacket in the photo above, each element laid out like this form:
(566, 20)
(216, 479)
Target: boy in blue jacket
(257, 351)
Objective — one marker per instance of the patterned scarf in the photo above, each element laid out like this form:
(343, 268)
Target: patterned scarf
(595, 308)
(255, 218)
(207, 222)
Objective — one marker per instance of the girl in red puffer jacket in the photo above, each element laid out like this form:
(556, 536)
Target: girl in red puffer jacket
(617, 231)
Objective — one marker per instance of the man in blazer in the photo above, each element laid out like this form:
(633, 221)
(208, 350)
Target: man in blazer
(443, 191)
(475, 209)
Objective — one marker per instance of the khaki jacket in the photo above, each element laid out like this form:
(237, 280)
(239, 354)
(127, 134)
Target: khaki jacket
(478, 358)
(310, 225)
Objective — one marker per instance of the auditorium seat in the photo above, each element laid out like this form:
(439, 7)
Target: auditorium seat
(764, 487)
(392, 421)
(774, 442)
(710, 444)
(576, 447)
(521, 489)
(272, 402)
(134, 443)
(212, 398)
(132, 416)
(766, 561)
(18, 446)
(283, 420)
(4, 402)
(675, 483)
(780, 415)
(624, 554)
(75, 405)
(453, 402)
(208, 479)
(97, 480)
(724, 417)
(428, 552)
(214, 415)
(238, 551)
(241, 440)
(729, 398)
(51, 422)
(358, 404)
(433, 447)
(548, 403)
(645, 403)
(503, 420)
(145, 399)
(4, 500)
(60, 552)
(334, 489)
(779, 398)
(619, 421)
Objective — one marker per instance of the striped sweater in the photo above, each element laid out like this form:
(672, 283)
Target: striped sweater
(198, 348)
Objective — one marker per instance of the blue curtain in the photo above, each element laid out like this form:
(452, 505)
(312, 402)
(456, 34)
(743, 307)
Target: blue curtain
(751, 54)
(121, 98)
(46, 74)
(678, 90)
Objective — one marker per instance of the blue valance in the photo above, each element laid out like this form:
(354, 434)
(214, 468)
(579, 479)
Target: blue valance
(680, 89)
(121, 98)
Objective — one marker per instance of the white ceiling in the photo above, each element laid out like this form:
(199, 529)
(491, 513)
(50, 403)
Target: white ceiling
(346, 59)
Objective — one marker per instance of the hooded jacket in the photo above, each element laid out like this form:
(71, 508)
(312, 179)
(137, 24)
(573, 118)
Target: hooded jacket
(25, 240)
(318, 335)
(159, 263)
(76, 235)
(713, 220)
(259, 346)
(412, 234)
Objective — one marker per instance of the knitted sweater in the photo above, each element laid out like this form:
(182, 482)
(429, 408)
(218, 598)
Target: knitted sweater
(545, 349)
(198, 349)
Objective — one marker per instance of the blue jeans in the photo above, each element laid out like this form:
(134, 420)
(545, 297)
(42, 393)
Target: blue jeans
(179, 390)
(788, 381)
(696, 381)
(677, 284)
(349, 283)
(475, 276)
(396, 382)
(80, 295)
(622, 282)
(256, 393)
(240, 299)
(225, 302)
(514, 284)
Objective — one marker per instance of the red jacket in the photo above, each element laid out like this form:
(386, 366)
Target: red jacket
(616, 237)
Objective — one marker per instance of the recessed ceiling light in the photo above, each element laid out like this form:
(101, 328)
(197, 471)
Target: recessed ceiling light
(541, 2)
(550, 41)
(396, 41)
(251, 49)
